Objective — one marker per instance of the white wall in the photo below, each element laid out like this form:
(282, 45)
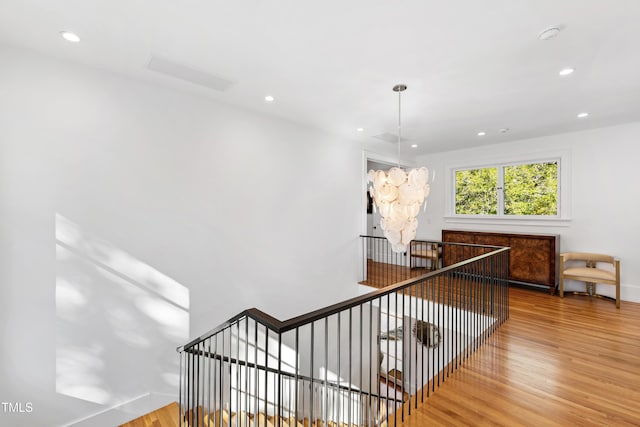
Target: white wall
(604, 202)
(119, 199)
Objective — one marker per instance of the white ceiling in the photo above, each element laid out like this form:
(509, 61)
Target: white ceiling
(470, 65)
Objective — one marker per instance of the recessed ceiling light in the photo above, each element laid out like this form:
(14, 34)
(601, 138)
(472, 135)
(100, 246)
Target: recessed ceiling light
(482, 133)
(504, 130)
(582, 115)
(269, 98)
(360, 129)
(414, 145)
(566, 71)
(549, 33)
(70, 37)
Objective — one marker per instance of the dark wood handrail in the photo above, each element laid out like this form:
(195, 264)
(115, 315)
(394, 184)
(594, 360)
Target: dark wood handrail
(280, 327)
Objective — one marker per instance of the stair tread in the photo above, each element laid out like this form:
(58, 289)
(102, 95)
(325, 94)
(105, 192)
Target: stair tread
(244, 419)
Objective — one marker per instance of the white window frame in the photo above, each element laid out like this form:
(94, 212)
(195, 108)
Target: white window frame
(563, 216)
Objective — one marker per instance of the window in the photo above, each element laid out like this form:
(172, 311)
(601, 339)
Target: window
(520, 189)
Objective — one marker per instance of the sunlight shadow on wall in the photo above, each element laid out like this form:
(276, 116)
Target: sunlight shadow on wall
(118, 321)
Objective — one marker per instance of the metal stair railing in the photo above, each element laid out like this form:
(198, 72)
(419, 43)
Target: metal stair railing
(365, 361)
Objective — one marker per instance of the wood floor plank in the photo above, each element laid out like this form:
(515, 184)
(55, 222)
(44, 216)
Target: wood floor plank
(555, 362)
(167, 416)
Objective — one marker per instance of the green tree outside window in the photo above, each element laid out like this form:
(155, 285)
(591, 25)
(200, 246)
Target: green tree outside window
(476, 191)
(531, 189)
(524, 189)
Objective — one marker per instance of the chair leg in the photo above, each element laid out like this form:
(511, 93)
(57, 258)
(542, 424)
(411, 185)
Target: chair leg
(561, 285)
(617, 283)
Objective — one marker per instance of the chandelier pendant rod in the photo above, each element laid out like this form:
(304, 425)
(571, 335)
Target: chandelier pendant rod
(399, 125)
(399, 88)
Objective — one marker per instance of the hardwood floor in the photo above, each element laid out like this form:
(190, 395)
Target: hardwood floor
(167, 416)
(381, 274)
(555, 362)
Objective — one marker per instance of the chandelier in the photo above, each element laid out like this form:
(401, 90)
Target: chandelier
(398, 194)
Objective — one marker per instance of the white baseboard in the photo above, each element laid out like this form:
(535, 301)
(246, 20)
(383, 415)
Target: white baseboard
(629, 293)
(125, 411)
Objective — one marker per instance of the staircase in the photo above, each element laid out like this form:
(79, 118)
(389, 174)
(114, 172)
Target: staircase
(168, 416)
(368, 361)
(222, 419)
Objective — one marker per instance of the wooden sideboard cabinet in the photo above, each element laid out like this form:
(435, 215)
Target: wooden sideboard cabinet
(533, 257)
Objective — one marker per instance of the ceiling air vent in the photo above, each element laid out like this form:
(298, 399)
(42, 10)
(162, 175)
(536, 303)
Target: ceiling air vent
(389, 137)
(183, 72)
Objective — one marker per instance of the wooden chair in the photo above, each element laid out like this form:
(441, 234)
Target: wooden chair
(590, 273)
(420, 249)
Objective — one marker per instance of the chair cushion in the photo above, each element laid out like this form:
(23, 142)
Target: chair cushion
(424, 253)
(596, 274)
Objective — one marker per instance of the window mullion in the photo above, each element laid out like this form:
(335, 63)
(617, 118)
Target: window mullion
(500, 190)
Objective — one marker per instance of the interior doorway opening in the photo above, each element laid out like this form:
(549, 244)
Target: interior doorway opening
(372, 215)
